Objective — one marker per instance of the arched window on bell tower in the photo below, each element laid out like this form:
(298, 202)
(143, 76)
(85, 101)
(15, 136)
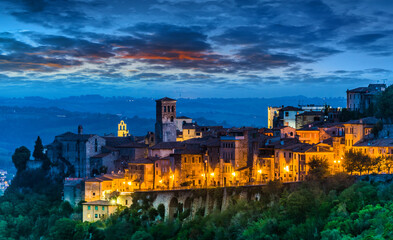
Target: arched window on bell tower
(122, 129)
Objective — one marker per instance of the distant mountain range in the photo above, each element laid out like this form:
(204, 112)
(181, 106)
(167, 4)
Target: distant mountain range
(23, 119)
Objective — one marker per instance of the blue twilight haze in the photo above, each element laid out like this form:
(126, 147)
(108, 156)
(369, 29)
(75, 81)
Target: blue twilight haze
(212, 48)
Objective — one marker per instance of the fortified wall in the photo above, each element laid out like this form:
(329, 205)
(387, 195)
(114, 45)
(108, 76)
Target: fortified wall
(192, 202)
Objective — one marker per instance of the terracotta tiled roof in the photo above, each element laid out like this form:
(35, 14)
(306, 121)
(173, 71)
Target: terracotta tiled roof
(69, 136)
(165, 99)
(100, 203)
(168, 145)
(290, 108)
(381, 142)
(117, 141)
(101, 155)
(148, 160)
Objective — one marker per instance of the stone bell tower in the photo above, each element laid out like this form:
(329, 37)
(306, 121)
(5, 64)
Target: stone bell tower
(165, 120)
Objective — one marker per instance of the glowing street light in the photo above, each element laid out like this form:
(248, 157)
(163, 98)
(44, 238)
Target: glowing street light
(203, 175)
(129, 183)
(234, 174)
(286, 168)
(260, 171)
(212, 174)
(160, 181)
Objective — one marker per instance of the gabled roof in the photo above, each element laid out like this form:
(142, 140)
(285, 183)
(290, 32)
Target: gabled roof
(367, 120)
(381, 142)
(168, 145)
(101, 155)
(183, 117)
(311, 113)
(100, 203)
(117, 141)
(133, 145)
(290, 108)
(69, 136)
(148, 160)
(166, 99)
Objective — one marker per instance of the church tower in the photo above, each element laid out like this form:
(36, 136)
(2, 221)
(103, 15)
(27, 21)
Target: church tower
(165, 120)
(122, 129)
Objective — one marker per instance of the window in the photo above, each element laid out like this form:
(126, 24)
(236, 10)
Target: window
(95, 145)
(94, 193)
(185, 159)
(164, 108)
(126, 202)
(193, 160)
(286, 114)
(156, 164)
(103, 208)
(173, 108)
(96, 216)
(88, 207)
(96, 207)
(172, 118)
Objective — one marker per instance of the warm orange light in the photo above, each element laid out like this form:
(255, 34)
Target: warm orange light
(234, 174)
(286, 168)
(212, 174)
(260, 171)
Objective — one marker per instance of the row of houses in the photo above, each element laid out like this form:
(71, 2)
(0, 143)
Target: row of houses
(182, 154)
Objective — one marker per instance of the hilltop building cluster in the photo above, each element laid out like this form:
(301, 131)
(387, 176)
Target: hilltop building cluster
(182, 154)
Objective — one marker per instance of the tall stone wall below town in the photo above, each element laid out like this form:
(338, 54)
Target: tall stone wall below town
(191, 202)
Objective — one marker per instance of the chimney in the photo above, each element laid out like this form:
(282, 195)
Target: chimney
(80, 129)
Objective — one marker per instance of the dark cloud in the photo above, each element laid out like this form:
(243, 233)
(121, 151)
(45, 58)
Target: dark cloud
(214, 41)
(364, 39)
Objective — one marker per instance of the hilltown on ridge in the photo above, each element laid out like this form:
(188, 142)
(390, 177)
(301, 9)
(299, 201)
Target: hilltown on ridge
(180, 154)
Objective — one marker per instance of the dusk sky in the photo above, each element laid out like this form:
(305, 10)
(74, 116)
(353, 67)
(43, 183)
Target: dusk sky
(178, 48)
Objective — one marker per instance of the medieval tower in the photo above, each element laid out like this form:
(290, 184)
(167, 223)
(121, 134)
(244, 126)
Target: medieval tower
(165, 120)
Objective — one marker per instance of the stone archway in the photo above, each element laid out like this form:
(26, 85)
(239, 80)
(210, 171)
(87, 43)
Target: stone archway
(173, 208)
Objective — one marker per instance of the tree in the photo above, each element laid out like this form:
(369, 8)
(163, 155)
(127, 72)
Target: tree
(39, 155)
(38, 152)
(384, 104)
(388, 163)
(319, 167)
(141, 235)
(64, 228)
(356, 161)
(20, 158)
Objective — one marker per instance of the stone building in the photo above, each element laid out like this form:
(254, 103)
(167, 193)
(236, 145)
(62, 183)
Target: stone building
(361, 98)
(75, 151)
(305, 118)
(287, 116)
(165, 120)
(181, 121)
(97, 210)
(357, 130)
(272, 116)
